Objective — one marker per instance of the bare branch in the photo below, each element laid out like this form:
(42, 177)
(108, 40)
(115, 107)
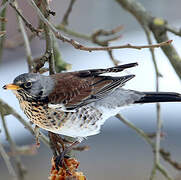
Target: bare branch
(2, 27)
(20, 168)
(3, 6)
(81, 148)
(164, 172)
(102, 32)
(167, 157)
(169, 51)
(2, 33)
(158, 28)
(73, 33)
(67, 13)
(26, 40)
(81, 47)
(40, 61)
(60, 64)
(147, 139)
(49, 40)
(29, 25)
(3, 19)
(173, 30)
(7, 162)
(115, 61)
(159, 122)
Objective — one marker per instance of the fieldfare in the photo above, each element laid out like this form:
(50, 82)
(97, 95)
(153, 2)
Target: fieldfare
(76, 104)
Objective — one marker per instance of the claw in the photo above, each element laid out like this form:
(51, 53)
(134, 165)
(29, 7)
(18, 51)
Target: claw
(59, 160)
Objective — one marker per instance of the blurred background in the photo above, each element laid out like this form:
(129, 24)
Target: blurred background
(117, 152)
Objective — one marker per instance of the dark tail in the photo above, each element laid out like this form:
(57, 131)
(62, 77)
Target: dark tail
(153, 97)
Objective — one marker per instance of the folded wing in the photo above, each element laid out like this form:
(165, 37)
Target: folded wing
(76, 89)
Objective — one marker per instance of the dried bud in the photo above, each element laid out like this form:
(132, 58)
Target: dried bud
(67, 172)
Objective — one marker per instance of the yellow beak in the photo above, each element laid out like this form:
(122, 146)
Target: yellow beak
(11, 87)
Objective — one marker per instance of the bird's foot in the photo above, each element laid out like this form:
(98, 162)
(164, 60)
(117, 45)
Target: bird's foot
(59, 161)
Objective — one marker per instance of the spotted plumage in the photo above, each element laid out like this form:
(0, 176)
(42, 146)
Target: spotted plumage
(77, 103)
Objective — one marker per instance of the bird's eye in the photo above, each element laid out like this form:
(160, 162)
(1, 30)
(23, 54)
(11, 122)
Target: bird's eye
(28, 85)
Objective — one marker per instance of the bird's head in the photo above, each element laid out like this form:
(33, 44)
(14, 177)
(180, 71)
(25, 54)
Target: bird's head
(32, 85)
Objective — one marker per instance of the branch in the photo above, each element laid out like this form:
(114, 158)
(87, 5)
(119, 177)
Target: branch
(115, 61)
(76, 45)
(40, 61)
(147, 139)
(73, 33)
(60, 64)
(7, 162)
(167, 157)
(49, 41)
(101, 32)
(159, 122)
(29, 25)
(2, 33)
(3, 5)
(158, 28)
(173, 30)
(67, 13)
(20, 168)
(26, 40)
(171, 53)
(2, 26)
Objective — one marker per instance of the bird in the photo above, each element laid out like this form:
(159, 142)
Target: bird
(77, 103)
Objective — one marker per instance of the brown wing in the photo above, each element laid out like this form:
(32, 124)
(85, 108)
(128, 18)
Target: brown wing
(75, 89)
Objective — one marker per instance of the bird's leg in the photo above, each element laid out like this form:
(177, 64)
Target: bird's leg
(54, 140)
(59, 159)
(52, 144)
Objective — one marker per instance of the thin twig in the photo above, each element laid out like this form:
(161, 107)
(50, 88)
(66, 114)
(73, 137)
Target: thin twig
(29, 25)
(164, 172)
(158, 74)
(115, 61)
(26, 41)
(49, 40)
(173, 30)
(67, 13)
(60, 64)
(20, 168)
(2, 33)
(40, 61)
(49, 49)
(102, 32)
(138, 130)
(147, 139)
(70, 32)
(167, 157)
(81, 47)
(7, 162)
(3, 19)
(3, 6)
(81, 148)
(159, 122)
(157, 26)
(2, 27)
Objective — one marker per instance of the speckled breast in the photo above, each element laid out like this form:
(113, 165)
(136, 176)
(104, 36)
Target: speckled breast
(81, 123)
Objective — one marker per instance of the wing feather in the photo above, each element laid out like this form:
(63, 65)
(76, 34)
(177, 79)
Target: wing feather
(76, 89)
